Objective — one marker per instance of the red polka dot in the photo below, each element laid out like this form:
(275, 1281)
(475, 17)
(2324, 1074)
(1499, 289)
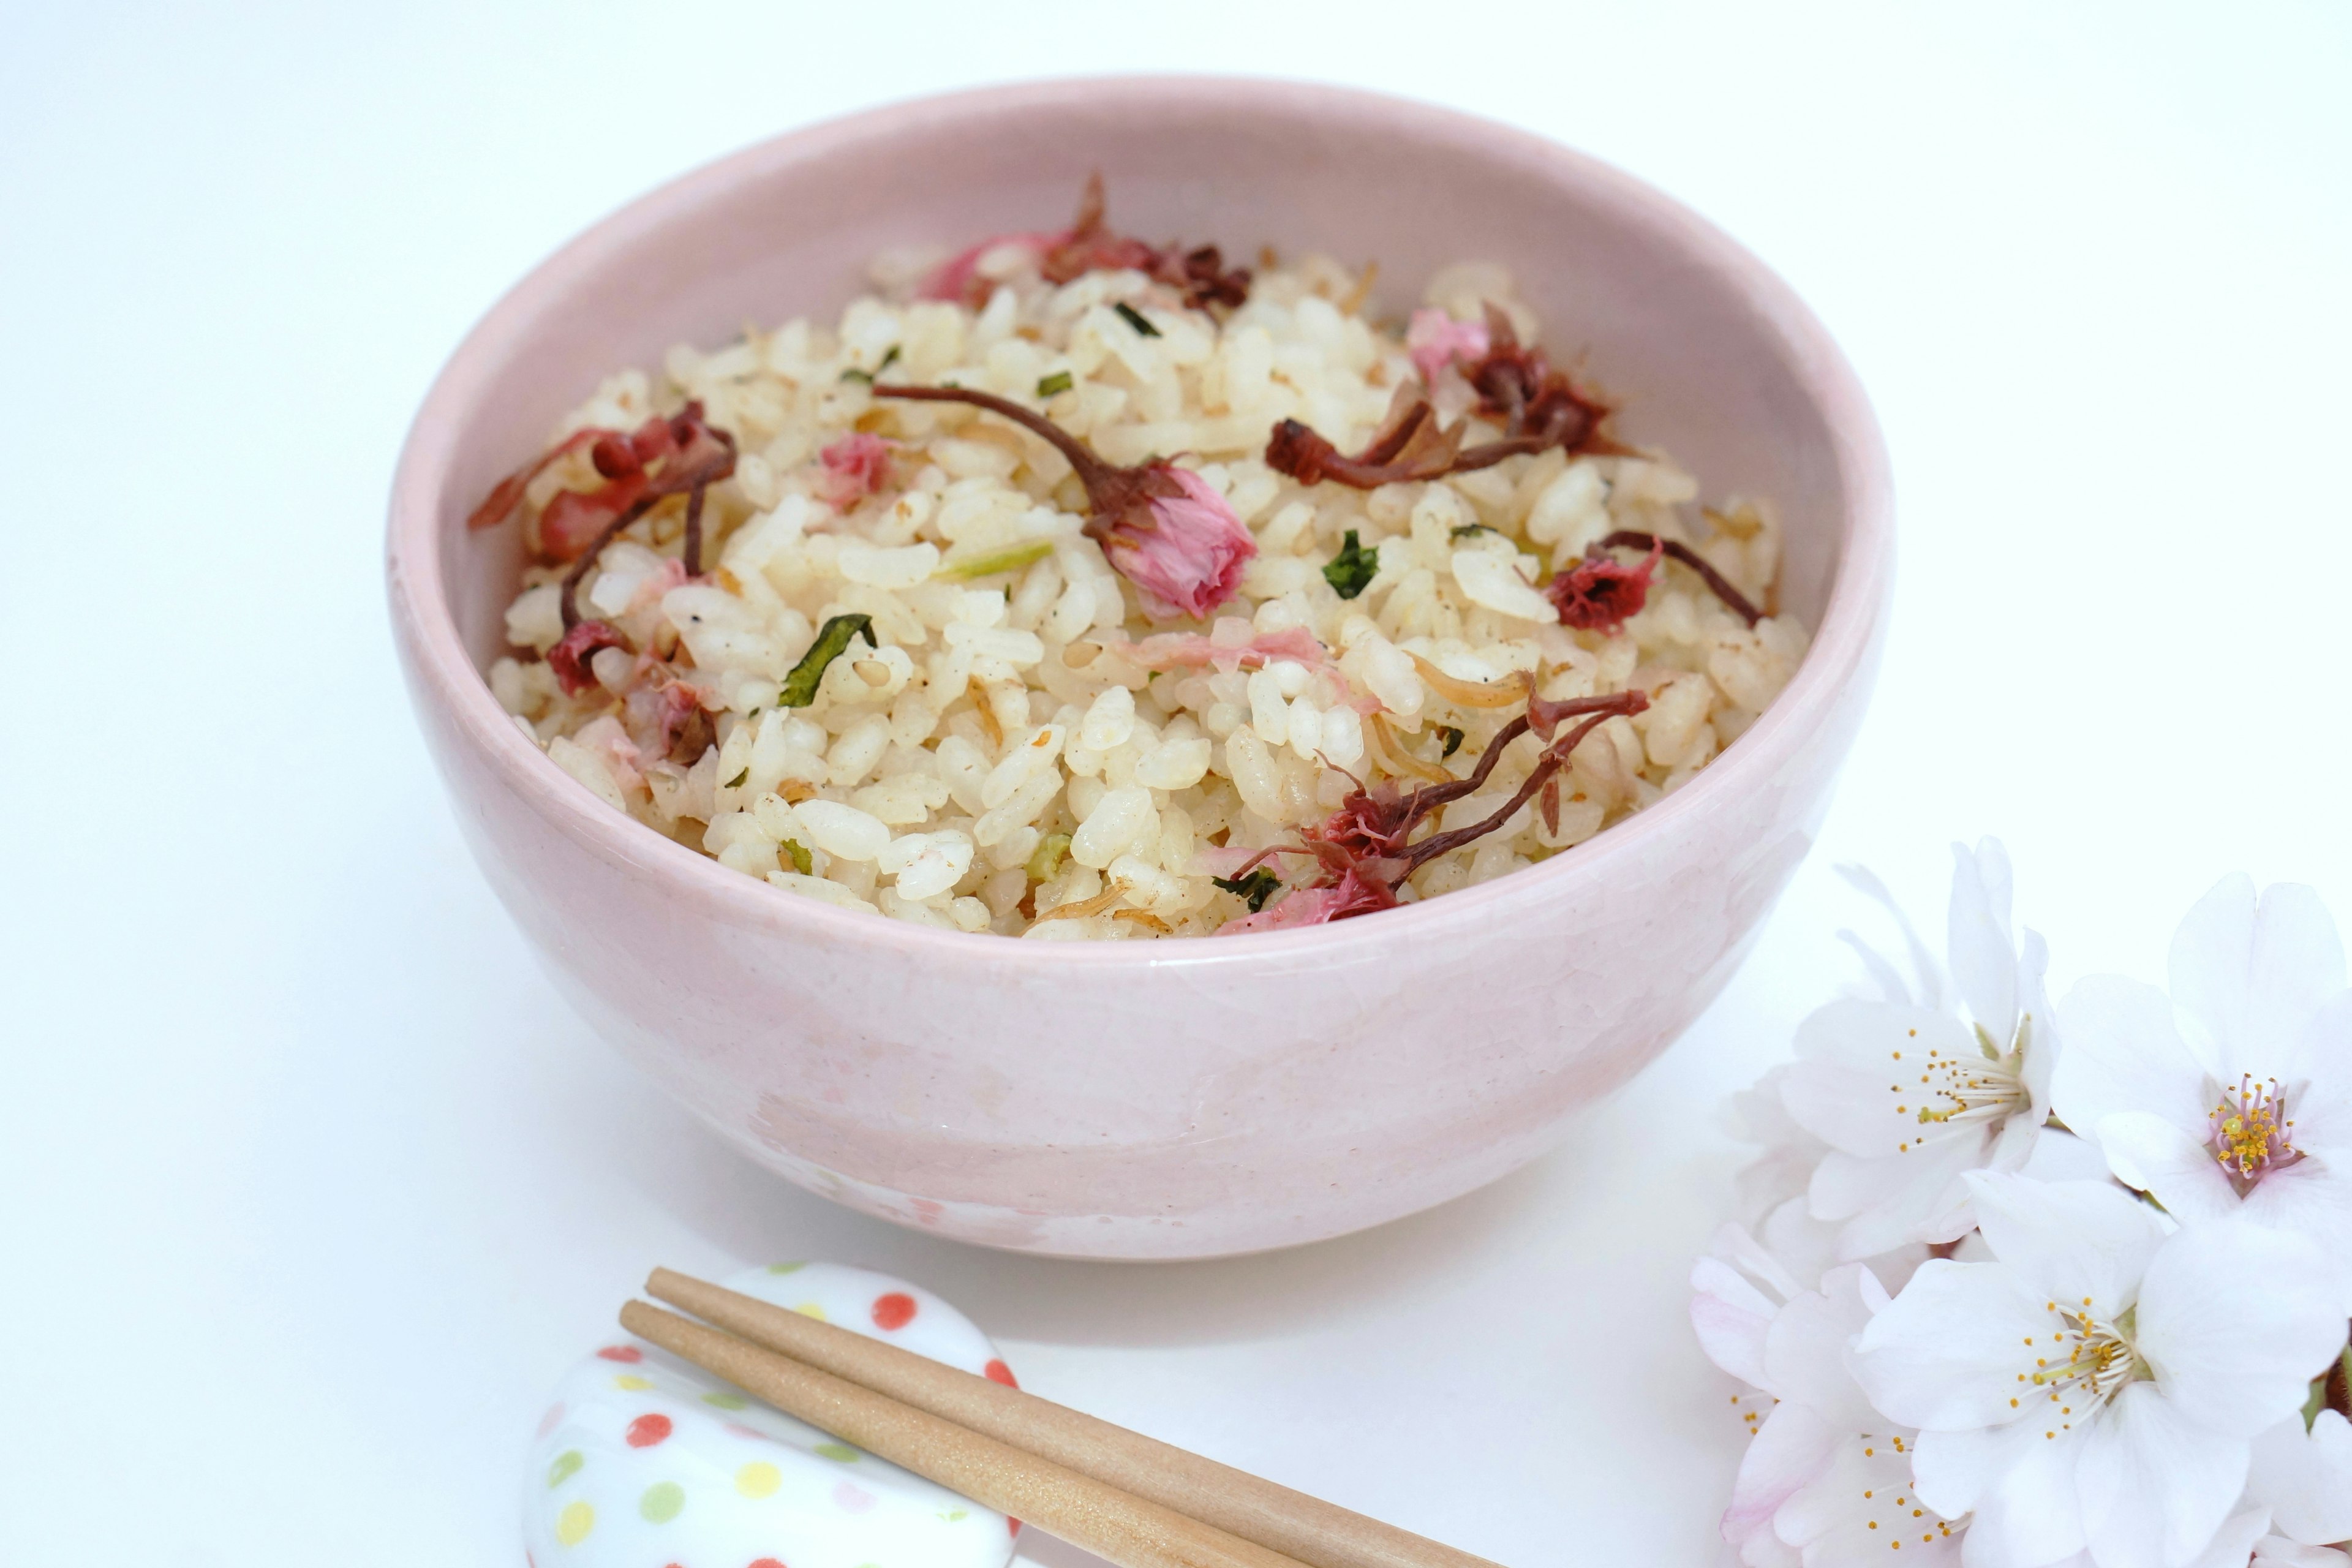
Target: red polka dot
(647, 1430)
(1012, 1527)
(628, 1354)
(766, 1563)
(894, 1311)
(999, 1372)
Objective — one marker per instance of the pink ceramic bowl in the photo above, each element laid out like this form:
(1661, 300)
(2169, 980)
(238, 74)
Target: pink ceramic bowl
(1172, 1098)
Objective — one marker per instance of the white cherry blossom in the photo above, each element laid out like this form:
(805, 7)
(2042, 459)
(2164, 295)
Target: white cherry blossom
(1913, 1090)
(2096, 1387)
(2301, 1480)
(2231, 1097)
(1826, 1479)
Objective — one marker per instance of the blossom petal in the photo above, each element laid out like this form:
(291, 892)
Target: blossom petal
(2235, 1320)
(2069, 1241)
(2321, 1078)
(1890, 1202)
(2305, 1478)
(1730, 1316)
(2234, 1541)
(2124, 1053)
(1791, 1447)
(1984, 961)
(1806, 1347)
(2312, 1199)
(2278, 1551)
(2063, 1157)
(2037, 1023)
(1928, 974)
(2019, 1484)
(1856, 1083)
(2163, 1158)
(1862, 1504)
(1946, 1354)
(2249, 971)
(2154, 1483)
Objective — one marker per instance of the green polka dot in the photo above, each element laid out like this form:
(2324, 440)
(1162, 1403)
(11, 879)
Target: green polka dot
(786, 1268)
(566, 1465)
(726, 1401)
(662, 1501)
(841, 1453)
(957, 1517)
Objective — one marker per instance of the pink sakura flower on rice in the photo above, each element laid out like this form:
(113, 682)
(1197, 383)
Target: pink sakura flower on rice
(1164, 528)
(1181, 547)
(570, 657)
(854, 467)
(1600, 595)
(1436, 340)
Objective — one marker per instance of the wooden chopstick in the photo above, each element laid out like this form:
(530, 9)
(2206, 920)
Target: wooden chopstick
(1126, 1529)
(1320, 1534)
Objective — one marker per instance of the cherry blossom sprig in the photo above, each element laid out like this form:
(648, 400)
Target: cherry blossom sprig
(2015, 1305)
(1364, 852)
(1090, 245)
(1536, 405)
(1164, 528)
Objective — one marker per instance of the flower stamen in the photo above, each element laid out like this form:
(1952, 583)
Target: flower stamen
(2251, 1132)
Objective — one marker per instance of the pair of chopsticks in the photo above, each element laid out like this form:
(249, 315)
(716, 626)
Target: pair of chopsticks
(1124, 1497)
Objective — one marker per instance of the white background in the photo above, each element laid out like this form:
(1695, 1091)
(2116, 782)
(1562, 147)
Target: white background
(309, 1185)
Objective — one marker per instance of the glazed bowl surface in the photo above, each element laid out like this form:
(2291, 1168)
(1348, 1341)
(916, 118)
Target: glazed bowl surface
(1178, 1098)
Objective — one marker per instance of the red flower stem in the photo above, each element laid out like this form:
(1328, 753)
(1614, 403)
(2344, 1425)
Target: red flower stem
(690, 554)
(569, 599)
(1419, 855)
(1091, 468)
(1385, 449)
(1733, 599)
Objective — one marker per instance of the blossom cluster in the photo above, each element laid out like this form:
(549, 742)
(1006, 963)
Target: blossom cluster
(2021, 1285)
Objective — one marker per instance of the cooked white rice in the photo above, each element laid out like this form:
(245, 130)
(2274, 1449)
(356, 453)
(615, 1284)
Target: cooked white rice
(999, 762)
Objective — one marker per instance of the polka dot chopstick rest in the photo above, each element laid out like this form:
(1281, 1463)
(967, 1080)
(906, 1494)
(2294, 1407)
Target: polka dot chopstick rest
(998, 1436)
(643, 1460)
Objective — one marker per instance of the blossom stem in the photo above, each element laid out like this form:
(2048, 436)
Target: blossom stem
(1090, 468)
(1555, 756)
(1733, 599)
(569, 599)
(690, 553)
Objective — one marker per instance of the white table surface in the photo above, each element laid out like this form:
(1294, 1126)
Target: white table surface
(309, 1184)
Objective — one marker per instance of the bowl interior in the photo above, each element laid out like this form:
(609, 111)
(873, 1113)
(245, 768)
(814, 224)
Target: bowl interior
(1706, 354)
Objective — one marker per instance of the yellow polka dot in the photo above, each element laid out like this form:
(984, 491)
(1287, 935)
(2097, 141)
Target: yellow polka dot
(758, 1479)
(811, 1310)
(629, 1383)
(572, 1525)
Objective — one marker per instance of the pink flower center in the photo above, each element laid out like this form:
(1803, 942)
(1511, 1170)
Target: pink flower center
(2251, 1134)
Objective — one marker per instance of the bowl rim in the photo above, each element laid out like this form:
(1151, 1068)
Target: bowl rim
(1840, 648)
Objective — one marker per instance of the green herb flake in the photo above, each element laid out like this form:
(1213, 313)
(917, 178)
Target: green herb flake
(1254, 888)
(1061, 380)
(887, 360)
(832, 641)
(1353, 570)
(1012, 558)
(863, 377)
(737, 782)
(798, 855)
(1048, 858)
(1134, 318)
(1453, 740)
